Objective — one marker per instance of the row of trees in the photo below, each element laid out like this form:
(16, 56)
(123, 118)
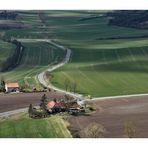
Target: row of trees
(15, 59)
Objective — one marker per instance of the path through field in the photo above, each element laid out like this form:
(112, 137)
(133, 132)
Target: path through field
(41, 77)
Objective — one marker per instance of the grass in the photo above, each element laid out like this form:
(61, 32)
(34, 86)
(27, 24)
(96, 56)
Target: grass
(100, 67)
(37, 56)
(6, 50)
(25, 127)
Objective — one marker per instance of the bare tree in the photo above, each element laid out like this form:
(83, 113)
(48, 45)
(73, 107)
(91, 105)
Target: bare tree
(74, 86)
(93, 130)
(30, 110)
(130, 129)
(67, 83)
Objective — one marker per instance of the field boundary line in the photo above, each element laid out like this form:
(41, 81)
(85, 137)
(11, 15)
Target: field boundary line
(121, 96)
(13, 112)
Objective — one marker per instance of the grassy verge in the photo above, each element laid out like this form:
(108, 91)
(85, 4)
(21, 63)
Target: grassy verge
(23, 127)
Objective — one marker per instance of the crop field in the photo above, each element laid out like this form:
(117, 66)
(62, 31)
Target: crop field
(114, 114)
(37, 56)
(6, 49)
(100, 65)
(21, 126)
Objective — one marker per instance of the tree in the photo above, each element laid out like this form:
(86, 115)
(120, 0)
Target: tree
(2, 81)
(93, 130)
(44, 98)
(2, 85)
(43, 104)
(68, 98)
(30, 110)
(66, 83)
(74, 86)
(130, 129)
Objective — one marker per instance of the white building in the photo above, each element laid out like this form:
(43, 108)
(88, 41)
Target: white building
(12, 87)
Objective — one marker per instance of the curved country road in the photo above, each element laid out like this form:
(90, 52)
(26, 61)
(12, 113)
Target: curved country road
(41, 78)
(45, 83)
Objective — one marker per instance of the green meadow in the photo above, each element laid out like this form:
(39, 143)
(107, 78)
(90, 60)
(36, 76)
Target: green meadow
(100, 67)
(22, 126)
(36, 58)
(6, 49)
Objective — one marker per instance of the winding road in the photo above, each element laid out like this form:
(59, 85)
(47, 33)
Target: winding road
(41, 78)
(80, 98)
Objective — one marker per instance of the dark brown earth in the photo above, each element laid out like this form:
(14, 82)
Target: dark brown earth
(10, 102)
(113, 114)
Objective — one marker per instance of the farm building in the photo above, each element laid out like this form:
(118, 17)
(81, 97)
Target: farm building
(12, 87)
(61, 106)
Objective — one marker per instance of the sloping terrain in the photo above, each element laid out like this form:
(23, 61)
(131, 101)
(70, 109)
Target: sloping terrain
(6, 49)
(128, 18)
(114, 115)
(21, 126)
(100, 65)
(36, 57)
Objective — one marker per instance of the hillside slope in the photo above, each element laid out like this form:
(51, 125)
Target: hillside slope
(129, 18)
(6, 50)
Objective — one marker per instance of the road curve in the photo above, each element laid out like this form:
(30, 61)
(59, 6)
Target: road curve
(41, 78)
(65, 61)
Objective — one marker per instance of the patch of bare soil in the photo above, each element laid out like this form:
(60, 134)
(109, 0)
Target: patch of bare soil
(10, 102)
(113, 114)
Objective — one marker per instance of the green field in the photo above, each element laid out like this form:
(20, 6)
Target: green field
(23, 127)
(99, 67)
(6, 49)
(37, 56)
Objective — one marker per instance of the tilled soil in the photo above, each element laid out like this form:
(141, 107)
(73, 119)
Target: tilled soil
(10, 102)
(113, 114)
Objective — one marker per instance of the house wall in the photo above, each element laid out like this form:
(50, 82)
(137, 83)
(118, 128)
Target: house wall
(12, 89)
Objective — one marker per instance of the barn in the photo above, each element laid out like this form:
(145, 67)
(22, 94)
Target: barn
(56, 107)
(12, 87)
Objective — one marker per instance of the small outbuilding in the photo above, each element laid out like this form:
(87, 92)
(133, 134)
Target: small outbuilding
(12, 87)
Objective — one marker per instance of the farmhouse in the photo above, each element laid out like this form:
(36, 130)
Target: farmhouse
(61, 106)
(12, 87)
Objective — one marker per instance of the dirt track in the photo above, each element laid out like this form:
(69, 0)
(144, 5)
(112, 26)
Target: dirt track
(10, 102)
(114, 113)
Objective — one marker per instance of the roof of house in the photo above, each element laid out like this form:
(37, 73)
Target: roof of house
(12, 85)
(51, 104)
(61, 105)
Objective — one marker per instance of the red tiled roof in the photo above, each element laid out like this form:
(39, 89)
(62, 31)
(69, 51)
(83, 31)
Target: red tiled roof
(51, 104)
(12, 85)
(61, 105)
